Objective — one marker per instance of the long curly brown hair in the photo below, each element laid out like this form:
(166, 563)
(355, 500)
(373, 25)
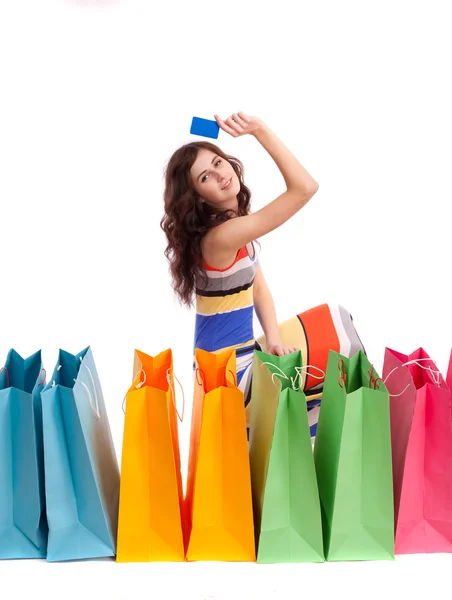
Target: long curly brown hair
(186, 219)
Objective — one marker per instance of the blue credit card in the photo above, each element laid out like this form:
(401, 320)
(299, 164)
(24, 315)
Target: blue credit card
(204, 127)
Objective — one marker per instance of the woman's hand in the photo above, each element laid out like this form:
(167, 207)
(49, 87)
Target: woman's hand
(240, 124)
(279, 349)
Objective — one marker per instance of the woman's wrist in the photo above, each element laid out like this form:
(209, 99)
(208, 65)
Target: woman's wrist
(273, 340)
(262, 132)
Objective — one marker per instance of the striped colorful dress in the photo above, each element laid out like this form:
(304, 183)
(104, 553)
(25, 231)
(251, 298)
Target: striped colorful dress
(225, 311)
(224, 320)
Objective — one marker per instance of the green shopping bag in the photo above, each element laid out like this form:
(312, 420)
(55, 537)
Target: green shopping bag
(286, 502)
(353, 461)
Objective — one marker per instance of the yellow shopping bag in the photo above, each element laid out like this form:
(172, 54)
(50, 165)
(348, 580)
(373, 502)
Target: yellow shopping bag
(151, 520)
(218, 498)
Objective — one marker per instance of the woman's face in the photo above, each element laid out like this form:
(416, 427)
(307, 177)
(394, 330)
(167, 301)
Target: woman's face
(215, 180)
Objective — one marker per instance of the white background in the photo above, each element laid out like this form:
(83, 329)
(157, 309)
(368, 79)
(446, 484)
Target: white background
(94, 98)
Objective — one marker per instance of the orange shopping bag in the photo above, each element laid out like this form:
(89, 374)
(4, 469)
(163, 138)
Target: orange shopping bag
(150, 524)
(218, 498)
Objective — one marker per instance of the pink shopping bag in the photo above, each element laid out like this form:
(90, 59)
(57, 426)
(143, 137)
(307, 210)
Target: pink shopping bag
(449, 374)
(421, 433)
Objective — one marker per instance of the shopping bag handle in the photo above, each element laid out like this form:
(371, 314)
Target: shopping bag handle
(39, 384)
(137, 386)
(173, 393)
(297, 376)
(372, 380)
(203, 380)
(298, 371)
(233, 375)
(416, 362)
(342, 373)
(281, 374)
(44, 378)
(94, 405)
(7, 375)
(140, 383)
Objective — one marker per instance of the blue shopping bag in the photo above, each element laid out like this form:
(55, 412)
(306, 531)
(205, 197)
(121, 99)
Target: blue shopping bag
(81, 467)
(23, 525)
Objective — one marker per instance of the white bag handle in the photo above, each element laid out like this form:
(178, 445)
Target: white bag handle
(298, 371)
(137, 386)
(94, 405)
(173, 393)
(436, 380)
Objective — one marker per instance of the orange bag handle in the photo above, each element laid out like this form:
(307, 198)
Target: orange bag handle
(234, 376)
(203, 381)
(372, 380)
(342, 373)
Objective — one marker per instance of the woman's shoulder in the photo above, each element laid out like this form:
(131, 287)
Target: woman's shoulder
(245, 254)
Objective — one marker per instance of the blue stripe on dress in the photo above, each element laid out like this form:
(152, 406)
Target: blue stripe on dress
(310, 405)
(222, 330)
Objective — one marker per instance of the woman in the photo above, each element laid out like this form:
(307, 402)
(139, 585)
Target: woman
(211, 236)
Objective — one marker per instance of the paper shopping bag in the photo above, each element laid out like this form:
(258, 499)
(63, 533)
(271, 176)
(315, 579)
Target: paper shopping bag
(421, 430)
(449, 373)
(285, 494)
(218, 497)
(315, 332)
(23, 524)
(150, 524)
(81, 469)
(353, 462)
